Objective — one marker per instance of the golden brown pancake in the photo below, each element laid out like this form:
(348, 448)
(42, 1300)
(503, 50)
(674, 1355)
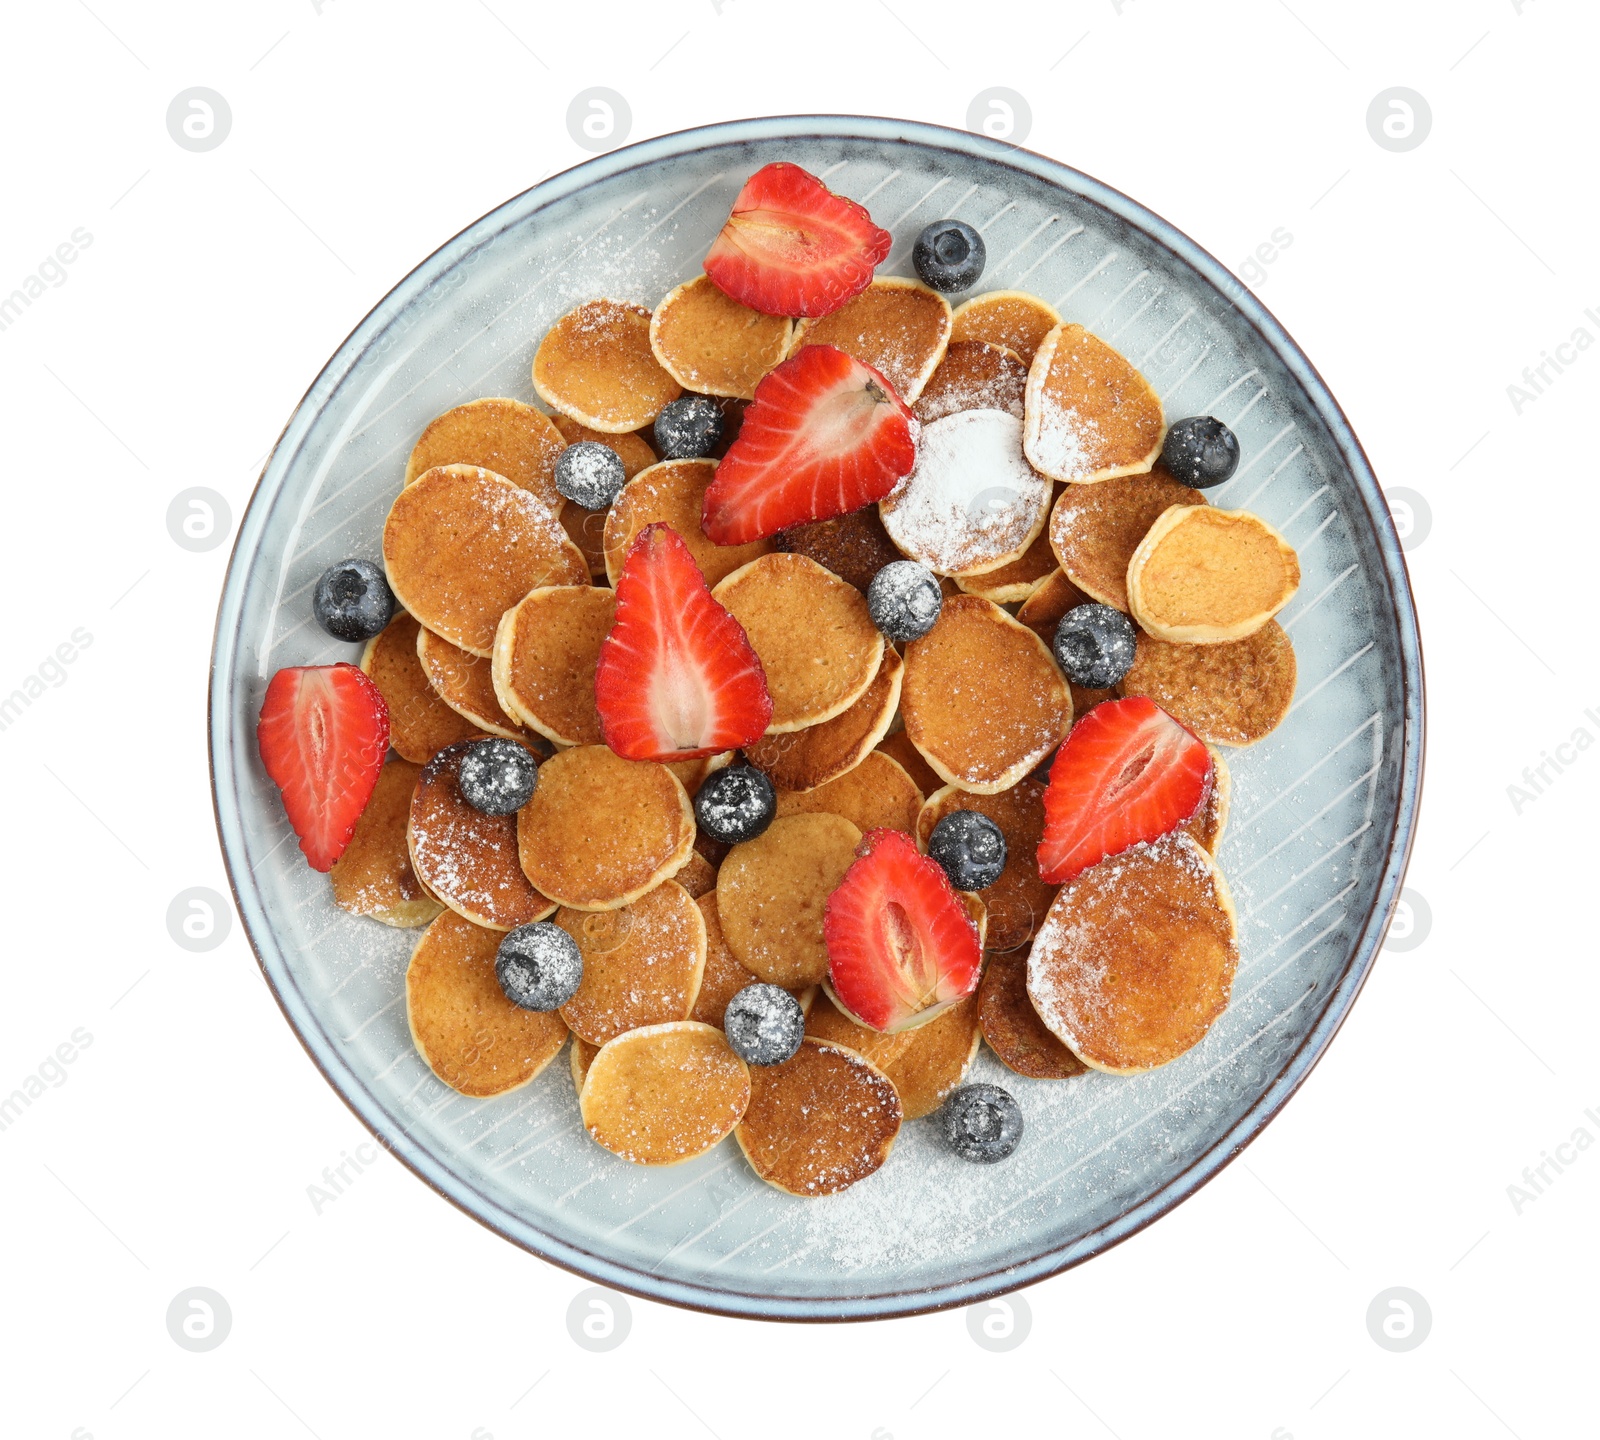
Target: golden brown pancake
(805, 759)
(698, 876)
(692, 773)
(673, 492)
(1090, 414)
(812, 633)
(1203, 576)
(420, 723)
(933, 1064)
(466, 684)
(1016, 579)
(899, 327)
(982, 698)
(468, 859)
(641, 963)
(663, 1094)
(819, 1122)
(1011, 319)
(545, 653)
(1018, 900)
(710, 343)
(470, 1035)
(1136, 958)
(462, 545)
(374, 875)
(898, 747)
(505, 436)
(876, 795)
(973, 376)
(600, 830)
(724, 977)
(1232, 694)
(828, 1022)
(1013, 1028)
(582, 1057)
(1208, 822)
(1041, 612)
(854, 546)
(633, 450)
(1094, 529)
(595, 364)
(587, 530)
(771, 892)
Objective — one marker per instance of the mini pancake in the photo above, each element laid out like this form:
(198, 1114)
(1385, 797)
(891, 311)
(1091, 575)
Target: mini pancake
(1012, 319)
(1016, 579)
(898, 747)
(468, 859)
(971, 503)
(1013, 1028)
(1231, 694)
(470, 1035)
(1206, 825)
(600, 830)
(692, 774)
(819, 1122)
(936, 1060)
(633, 450)
(641, 963)
(1094, 529)
(663, 1094)
(374, 875)
(724, 977)
(1135, 960)
(897, 326)
(1090, 414)
(505, 436)
(771, 892)
(854, 546)
(545, 653)
(420, 723)
(826, 1021)
(462, 545)
(1018, 900)
(711, 344)
(465, 683)
(581, 1058)
(876, 795)
(698, 876)
(1041, 612)
(587, 530)
(982, 698)
(595, 364)
(674, 492)
(805, 759)
(1202, 576)
(812, 633)
(973, 376)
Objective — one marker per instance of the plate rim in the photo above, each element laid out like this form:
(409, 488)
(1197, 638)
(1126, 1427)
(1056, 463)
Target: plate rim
(601, 1269)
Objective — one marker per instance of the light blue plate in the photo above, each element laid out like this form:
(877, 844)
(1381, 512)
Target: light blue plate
(1323, 810)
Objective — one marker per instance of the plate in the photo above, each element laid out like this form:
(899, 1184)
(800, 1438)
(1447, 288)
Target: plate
(1323, 809)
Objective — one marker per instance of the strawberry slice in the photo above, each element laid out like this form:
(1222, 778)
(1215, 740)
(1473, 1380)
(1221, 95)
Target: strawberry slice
(1126, 774)
(824, 435)
(323, 733)
(900, 946)
(793, 247)
(677, 677)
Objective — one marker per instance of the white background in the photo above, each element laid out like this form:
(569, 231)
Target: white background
(179, 1148)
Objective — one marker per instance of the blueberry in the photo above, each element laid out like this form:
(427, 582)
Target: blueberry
(497, 777)
(970, 847)
(539, 966)
(689, 428)
(905, 600)
(736, 804)
(1200, 452)
(764, 1024)
(949, 255)
(1094, 645)
(981, 1123)
(353, 600)
(590, 474)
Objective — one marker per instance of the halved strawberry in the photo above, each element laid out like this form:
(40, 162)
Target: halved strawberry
(824, 435)
(677, 676)
(323, 733)
(793, 247)
(1127, 773)
(900, 946)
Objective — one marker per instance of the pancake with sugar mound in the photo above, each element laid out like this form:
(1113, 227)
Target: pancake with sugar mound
(1090, 414)
(374, 875)
(546, 651)
(897, 326)
(466, 684)
(420, 723)
(876, 795)
(595, 364)
(1094, 529)
(505, 436)
(973, 376)
(711, 344)
(1231, 694)
(805, 759)
(674, 493)
(1011, 319)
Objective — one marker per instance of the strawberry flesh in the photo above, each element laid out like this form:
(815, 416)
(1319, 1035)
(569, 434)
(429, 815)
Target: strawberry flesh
(824, 435)
(793, 247)
(901, 947)
(1128, 773)
(678, 677)
(323, 734)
